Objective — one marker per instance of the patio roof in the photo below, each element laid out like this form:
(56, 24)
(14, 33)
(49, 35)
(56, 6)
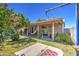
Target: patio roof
(50, 21)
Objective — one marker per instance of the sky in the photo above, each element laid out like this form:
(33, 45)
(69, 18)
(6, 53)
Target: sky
(35, 11)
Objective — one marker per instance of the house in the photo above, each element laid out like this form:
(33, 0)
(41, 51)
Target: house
(46, 29)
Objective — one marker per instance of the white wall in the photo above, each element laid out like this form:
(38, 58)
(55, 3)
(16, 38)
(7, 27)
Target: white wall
(73, 34)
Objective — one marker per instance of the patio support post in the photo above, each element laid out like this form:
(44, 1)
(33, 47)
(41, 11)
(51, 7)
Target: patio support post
(63, 28)
(48, 31)
(52, 31)
(38, 31)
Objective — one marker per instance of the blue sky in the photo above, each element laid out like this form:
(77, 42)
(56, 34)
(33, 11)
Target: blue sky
(34, 11)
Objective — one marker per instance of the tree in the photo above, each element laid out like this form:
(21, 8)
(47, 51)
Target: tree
(24, 21)
(40, 20)
(4, 17)
(19, 22)
(10, 22)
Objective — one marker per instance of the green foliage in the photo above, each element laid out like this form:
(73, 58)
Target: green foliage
(40, 20)
(24, 22)
(4, 21)
(10, 22)
(64, 38)
(15, 37)
(1, 39)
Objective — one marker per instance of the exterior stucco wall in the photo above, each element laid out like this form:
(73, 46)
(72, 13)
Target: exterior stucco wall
(73, 34)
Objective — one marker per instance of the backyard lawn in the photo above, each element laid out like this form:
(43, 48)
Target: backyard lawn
(9, 49)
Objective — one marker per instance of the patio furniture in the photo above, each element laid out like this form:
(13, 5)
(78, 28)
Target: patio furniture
(34, 32)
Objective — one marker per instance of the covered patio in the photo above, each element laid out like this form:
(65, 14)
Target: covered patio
(46, 29)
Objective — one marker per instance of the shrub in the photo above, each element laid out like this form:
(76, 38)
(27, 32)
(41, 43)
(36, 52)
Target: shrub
(1, 40)
(65, 38)
(15, 37)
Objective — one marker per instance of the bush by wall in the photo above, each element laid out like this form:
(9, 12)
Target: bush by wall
(65, 38)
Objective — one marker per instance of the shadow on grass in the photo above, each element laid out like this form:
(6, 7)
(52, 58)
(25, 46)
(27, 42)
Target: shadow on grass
(18, 42)
(22, 40)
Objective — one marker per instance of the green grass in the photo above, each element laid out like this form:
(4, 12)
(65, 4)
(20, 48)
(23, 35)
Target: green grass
(9, 49)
